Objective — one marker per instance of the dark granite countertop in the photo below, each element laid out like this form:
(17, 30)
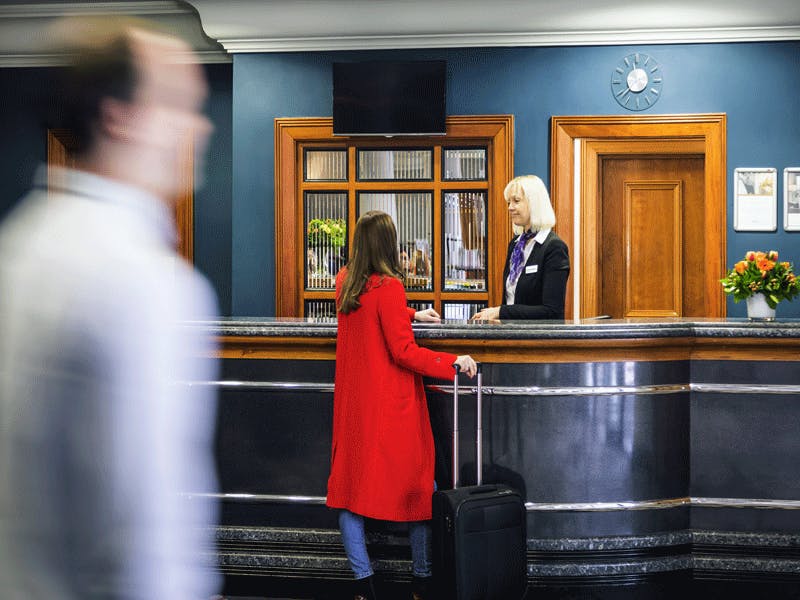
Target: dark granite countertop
(552, 330)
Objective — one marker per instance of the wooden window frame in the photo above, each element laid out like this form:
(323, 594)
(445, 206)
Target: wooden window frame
(495, 132)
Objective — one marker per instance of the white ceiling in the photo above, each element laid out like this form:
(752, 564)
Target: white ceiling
(230, 26)
(281, 25)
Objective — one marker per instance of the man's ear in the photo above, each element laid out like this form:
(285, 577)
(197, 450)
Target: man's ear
(114, 119)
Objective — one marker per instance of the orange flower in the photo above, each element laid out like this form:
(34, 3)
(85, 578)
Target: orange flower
(761, 272)
(765, 265)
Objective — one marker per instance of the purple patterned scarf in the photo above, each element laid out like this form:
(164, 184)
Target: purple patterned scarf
(518, 256)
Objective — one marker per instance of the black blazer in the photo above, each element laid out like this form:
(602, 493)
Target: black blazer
(539, 295)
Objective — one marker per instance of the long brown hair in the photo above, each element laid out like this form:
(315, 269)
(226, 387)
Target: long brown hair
(374, 251)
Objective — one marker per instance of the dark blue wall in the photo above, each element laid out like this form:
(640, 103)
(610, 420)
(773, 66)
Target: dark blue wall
(756, 84)
(212, 203)
(23, 141)
(23, 146)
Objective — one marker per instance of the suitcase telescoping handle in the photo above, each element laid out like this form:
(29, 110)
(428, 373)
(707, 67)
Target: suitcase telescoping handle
(479, 428)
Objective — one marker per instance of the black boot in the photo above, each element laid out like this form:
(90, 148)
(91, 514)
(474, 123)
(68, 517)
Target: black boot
(421, 588)
(365, 589)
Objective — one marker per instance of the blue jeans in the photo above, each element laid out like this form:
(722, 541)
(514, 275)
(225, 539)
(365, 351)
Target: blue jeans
(355, 545)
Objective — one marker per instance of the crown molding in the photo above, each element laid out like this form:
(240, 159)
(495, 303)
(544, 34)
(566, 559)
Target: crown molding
(59, 60)
(567, 38)
(73, 9)
(23, 28)
(33, 60)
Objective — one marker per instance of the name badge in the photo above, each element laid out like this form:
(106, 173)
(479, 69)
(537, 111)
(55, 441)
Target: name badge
(531, 269)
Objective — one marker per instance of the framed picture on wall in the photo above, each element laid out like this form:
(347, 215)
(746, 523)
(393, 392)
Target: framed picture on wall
(791, 199)
(755, 199)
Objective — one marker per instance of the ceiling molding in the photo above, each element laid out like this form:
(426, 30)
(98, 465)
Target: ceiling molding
(571, 38)
(24, 28)
(60, 60)
(250, 26)
(32, 60)
(79, 9)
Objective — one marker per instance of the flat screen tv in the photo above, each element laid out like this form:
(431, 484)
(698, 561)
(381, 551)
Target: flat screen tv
(389, 98)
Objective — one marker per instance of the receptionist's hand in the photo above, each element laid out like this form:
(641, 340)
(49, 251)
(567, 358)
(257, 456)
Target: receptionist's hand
(487, 314)
(427, 316)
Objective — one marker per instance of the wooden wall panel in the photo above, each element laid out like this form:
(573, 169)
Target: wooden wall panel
(653, 265)
(536, 351)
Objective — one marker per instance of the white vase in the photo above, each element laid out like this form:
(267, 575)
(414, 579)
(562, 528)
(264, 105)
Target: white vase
(757, 308)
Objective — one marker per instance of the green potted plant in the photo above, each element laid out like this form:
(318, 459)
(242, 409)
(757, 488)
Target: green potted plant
(327, 233)
(326, 238)
(762, 282)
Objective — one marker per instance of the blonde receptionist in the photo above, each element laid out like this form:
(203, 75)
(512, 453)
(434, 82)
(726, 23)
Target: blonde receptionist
(537, 263)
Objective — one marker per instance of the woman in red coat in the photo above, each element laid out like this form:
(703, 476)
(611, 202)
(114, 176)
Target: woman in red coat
(382, 457)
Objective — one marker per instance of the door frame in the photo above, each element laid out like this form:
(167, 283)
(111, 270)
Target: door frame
(578, 145)
(60, 145)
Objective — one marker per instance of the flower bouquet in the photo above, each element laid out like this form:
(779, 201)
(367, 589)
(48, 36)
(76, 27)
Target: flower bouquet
(760, 273)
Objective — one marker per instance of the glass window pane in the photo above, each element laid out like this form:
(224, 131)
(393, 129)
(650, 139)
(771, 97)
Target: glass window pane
(464, 164)
(325, 165)
(412, 215)
(320, 310)
(461, 311)
(325, 217)
(385, 165)
(420, 305)
(464, 238)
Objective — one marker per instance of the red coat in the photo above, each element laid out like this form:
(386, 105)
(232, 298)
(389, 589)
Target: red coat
(382, 458)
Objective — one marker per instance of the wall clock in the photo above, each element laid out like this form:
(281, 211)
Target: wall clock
(636, 81)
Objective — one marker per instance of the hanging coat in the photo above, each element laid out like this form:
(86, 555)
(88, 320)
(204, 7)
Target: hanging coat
(382, 457)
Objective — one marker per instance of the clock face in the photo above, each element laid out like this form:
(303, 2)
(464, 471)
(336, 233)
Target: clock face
(636, 81)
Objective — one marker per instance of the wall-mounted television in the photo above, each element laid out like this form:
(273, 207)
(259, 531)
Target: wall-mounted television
(389, 97)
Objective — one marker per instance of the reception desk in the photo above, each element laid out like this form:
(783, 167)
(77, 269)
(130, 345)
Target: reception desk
(653, 455)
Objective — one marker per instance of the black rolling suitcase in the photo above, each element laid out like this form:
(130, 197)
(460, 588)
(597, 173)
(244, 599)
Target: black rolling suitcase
(479, 532)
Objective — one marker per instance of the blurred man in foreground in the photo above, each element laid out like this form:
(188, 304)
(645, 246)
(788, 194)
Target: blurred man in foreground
(97, 435)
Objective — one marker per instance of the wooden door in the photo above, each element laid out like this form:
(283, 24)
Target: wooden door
(652, 242)
(580, 144)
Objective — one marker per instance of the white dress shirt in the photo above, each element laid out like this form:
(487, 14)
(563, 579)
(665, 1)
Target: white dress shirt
(97, 437)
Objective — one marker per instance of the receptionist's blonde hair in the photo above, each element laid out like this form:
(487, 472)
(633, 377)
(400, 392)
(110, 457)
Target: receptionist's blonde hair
(532, 189)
